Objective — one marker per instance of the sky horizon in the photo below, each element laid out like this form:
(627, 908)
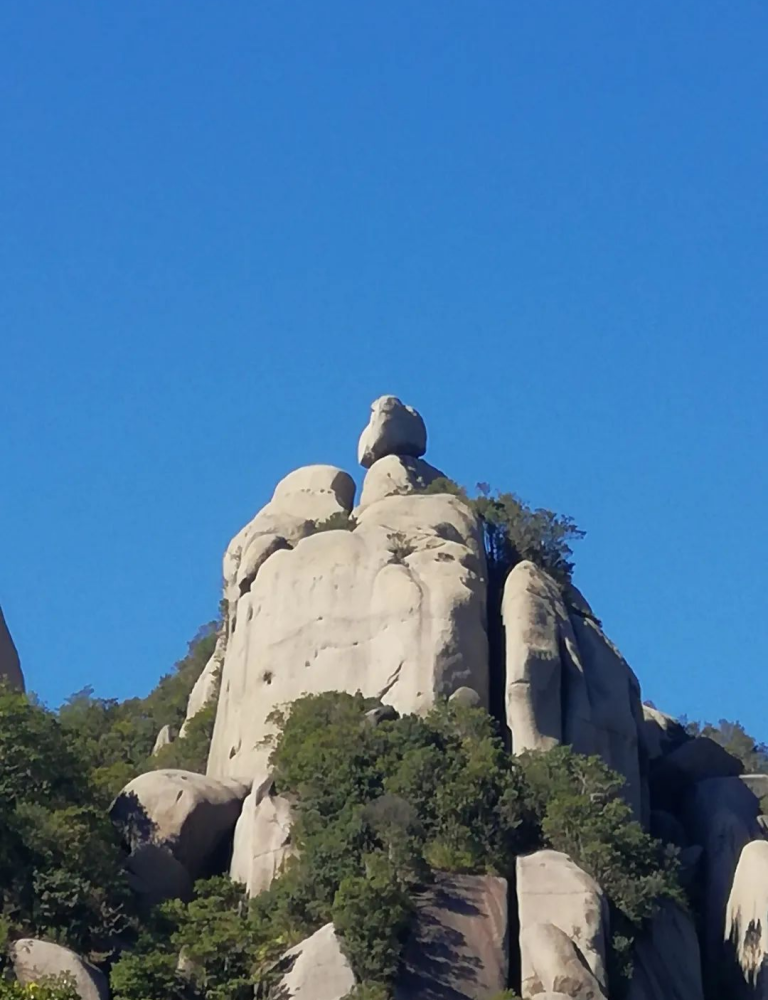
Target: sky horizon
(226, 231)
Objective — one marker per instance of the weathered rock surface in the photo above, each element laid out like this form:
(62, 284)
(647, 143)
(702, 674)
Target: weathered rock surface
(154, 874)
(566, 682)
(393, 429)
(395, 475)
(316, 969)
(164, 738)
(535, 618)
(206, 687)
(395, 608)
(33, 960)
(458, 949)
(746, 919)
(310, 494)
(720, 814)
(188, 814)
(552, 890)
(667, 962)
(757, 784)
(661, 732)
(10, 665)
(554, 964)
(262, 839)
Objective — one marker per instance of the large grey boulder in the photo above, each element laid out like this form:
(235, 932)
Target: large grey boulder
(316, 969)
(661, 732)
(535, 618)
(458, 948)
(566, 683)
(757, 784)
(183, 813)
(307, 495)
(34, 960)
(746, 919)
(553, 891)
(262, 841)
(395, 609)
(721, 815)
(554, 965)
(666, 958)
(395, 475)
(10, 666)
(393, 429)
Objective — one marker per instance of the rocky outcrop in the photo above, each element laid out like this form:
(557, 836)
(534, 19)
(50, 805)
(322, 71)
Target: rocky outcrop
(666, 959)
(661, 732)
(566, 683)
(721, 815)
(458, 947)
(262, 839)
(164, 738)
(316, 969)
(393, 429)
(396, 476)
(554, 965)
(183, 814)
(553, 892)
(394, 608)
(746, 918)
(206, 687)
(34, 960)
(306, 496)
(10, 666)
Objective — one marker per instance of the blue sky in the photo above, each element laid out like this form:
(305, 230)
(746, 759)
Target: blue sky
(228, 226)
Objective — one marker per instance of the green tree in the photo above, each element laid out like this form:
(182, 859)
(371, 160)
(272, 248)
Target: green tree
(60, 864)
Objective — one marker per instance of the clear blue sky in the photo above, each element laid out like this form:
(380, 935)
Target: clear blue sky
(228, 225)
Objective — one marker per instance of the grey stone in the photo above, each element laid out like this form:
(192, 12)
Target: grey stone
(666, 959)
(33, 960)
(316, 969)
(393, 429)
(458, 948)
(395, 475)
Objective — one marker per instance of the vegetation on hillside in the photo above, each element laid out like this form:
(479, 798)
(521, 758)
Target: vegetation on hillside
(379, 809)
(117, 738)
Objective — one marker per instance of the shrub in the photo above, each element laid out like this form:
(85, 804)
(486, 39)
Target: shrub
(514, 531)
(340, 520)
(49, 988)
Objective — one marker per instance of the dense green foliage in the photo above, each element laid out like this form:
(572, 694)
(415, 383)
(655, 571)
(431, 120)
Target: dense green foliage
(378, 808)
(60, 865)
(56, 988)
(514, 531)
(117, 737)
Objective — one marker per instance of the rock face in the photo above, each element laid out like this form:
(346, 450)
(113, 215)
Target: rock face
(396, 476)
(164, 738)
(186, 814)
(661, 732)
(262, 839)
(393, 429)
(459, 944)
(666, 959)
(206, 686)
(395, 608)
(746, 923)
(566, 682)
(316, 969)
(721, 815)
(307, 495)
(10, 666)
(33, 960)
(553, 892)
(555, 965)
